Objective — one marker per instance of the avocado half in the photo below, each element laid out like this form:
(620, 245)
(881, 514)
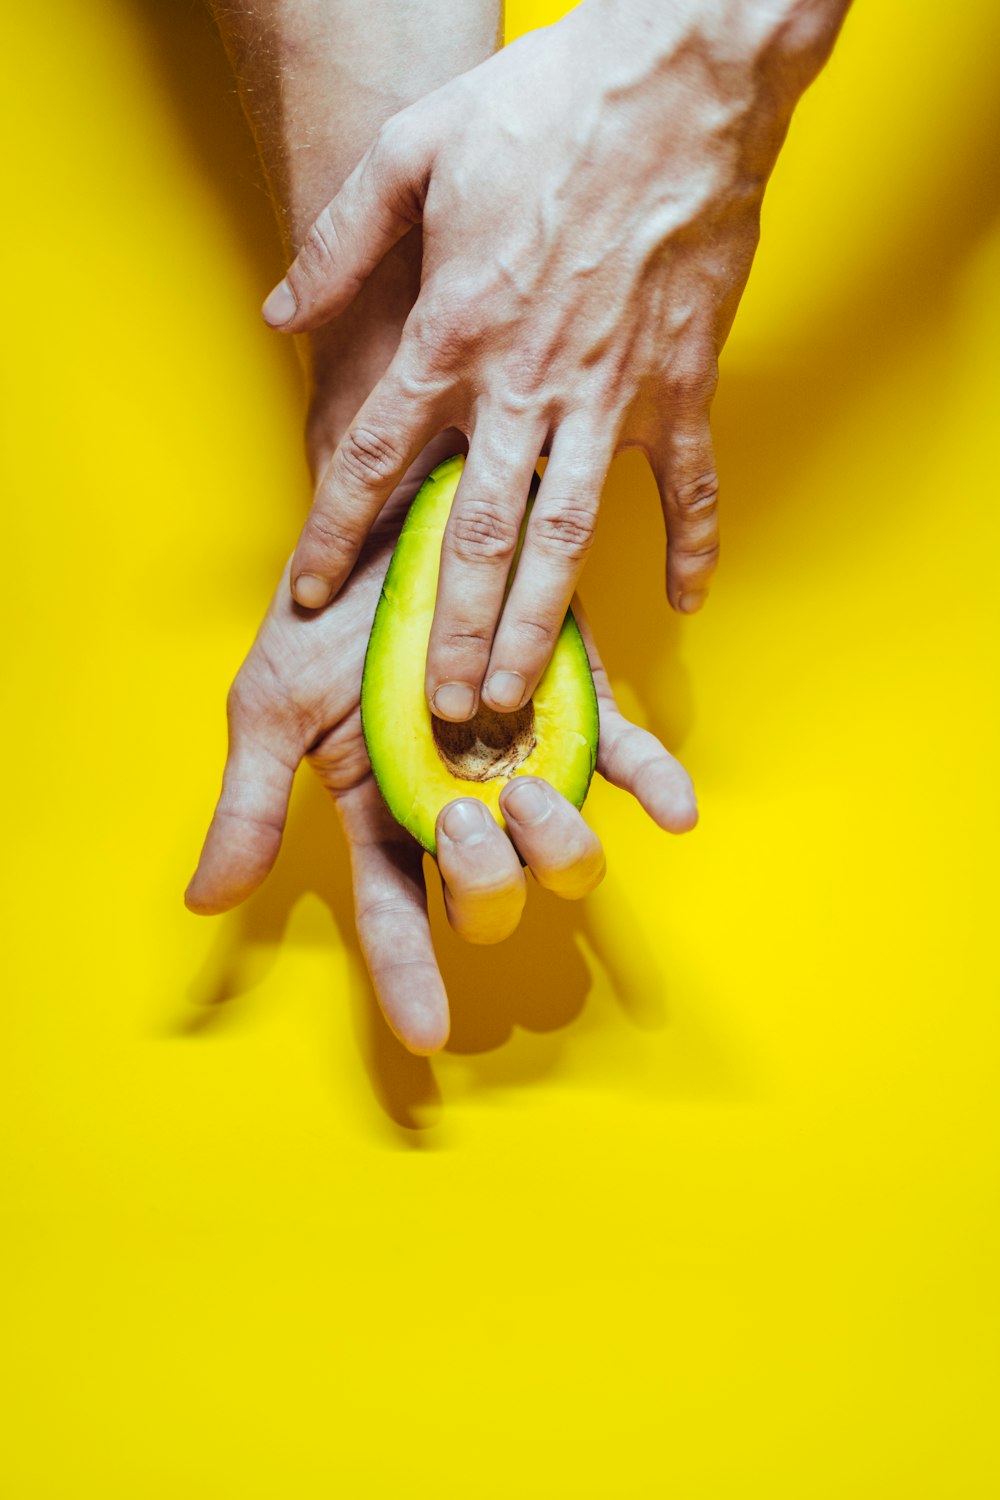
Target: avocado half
(421, 762)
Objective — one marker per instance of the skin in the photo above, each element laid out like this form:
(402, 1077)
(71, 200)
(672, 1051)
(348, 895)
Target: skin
(589, 199)
(297, 694)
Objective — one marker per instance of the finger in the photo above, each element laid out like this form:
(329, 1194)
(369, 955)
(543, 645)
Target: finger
(689, 490)
(394, 424)
(633, 759)
(479, 545)
(557, 541)
(484, 886)
(390, 903)
(378, 203)
(244, 837)
(563, 854)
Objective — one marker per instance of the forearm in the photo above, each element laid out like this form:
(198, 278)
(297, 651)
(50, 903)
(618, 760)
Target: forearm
(318, 77)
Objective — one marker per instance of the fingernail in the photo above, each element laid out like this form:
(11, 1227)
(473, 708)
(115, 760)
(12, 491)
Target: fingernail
(688, 603)
(466, 822)
(280, 306)
(526, 801)
(454, 700)
(311, 591)
(505, 690)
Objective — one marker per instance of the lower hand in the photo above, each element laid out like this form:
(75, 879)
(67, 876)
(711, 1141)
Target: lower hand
(297, 697)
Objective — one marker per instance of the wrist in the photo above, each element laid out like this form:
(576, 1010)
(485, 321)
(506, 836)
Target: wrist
(782, 43)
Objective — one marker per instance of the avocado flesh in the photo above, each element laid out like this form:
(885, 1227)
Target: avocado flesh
(420, 762)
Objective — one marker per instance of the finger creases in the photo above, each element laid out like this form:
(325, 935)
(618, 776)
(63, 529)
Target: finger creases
(557, 541)
(478, 550)
(369, 462)
(689, 490)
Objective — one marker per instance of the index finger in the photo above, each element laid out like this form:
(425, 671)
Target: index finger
(395, 423)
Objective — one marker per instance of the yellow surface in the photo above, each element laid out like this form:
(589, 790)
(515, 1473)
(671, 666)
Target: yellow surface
(702, 1200)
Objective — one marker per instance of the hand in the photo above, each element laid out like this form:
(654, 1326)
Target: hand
(297, 696)
(590, 201)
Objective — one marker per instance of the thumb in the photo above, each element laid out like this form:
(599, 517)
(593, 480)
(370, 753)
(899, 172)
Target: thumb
(379, 202)
(243, 840)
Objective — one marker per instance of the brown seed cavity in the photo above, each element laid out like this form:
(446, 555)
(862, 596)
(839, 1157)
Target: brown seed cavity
(489, 745)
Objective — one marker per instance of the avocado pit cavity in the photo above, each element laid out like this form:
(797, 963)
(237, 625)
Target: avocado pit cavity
(487, 746)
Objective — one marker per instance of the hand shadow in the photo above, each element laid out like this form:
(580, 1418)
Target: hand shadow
(313, 859)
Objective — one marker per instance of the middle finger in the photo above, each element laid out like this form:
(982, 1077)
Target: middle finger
(479, 545)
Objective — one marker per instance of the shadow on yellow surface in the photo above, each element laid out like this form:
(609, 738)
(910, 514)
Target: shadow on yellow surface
(540, 983)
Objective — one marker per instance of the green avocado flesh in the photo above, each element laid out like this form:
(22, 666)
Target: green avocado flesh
(420, 762)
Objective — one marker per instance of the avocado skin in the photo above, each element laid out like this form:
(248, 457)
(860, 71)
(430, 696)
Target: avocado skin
(396, 721)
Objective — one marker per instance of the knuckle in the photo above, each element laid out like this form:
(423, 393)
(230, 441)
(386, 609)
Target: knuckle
(536, 634)
(696, 496)
(393, 146)
(697, 559)
(460, 641)
(416, 383)
(482, 531)
(340, 760)
(389, 141)
(444, 326)
(445, 341)
(568, 530)
(319, 248)
(324, 531)
(367, 458)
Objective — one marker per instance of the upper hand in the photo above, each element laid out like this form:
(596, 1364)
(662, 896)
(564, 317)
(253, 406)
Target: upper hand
(297, 696)
(589, 199)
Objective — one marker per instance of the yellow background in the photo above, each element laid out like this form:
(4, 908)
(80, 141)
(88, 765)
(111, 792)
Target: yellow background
(702, 1199)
